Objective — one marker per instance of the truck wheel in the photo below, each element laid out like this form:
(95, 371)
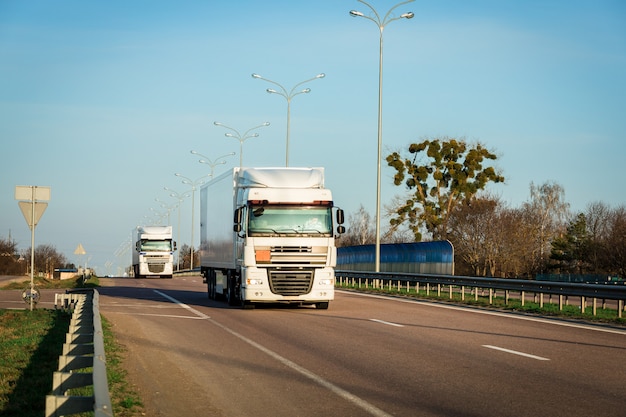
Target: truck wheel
(247, 305)
(231, 292)
(210, 280)
(322, 305)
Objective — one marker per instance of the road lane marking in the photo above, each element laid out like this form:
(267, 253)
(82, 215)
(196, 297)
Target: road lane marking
(553, 322)
(359, 402)
(388, 323)
(183, 305)
(515, 352)
(172, 316)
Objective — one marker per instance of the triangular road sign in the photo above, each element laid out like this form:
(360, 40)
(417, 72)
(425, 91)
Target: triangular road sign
(79, 250)
(27, 211)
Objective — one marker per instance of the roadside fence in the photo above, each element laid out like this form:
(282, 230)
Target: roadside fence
(470, 286)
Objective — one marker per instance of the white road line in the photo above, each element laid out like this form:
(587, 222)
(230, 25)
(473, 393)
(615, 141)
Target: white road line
(515, 352)
(553, 322)
(183, 305)
(172, 316)
(388, 323)
(369, 408)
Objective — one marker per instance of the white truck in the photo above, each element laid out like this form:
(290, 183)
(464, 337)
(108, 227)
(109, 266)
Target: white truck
(267, 235)
(154, 252)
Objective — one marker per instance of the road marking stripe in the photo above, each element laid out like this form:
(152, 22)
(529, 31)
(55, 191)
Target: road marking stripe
(372, 410)
(467, 309)
(157, 315)
(387, 323)
(183, 305)
(515, 352)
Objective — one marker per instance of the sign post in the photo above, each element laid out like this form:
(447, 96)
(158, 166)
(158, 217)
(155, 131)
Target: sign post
(32, 207)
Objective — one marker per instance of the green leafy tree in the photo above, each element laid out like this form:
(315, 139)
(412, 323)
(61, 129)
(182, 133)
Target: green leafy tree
(570, 251)
(441, 173)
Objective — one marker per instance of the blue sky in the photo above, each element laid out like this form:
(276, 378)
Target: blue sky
(103, 101)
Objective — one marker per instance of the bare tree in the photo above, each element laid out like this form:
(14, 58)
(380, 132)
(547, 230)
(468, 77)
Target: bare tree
(47, 258)
(9, 264)
(548, 211)
(360, 229)
(471, 230)
(615, 247)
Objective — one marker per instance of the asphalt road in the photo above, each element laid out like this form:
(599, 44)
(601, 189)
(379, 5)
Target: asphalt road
(364, 356)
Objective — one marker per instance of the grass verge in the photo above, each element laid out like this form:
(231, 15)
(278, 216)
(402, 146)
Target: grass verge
(55, 284)
(30, 345)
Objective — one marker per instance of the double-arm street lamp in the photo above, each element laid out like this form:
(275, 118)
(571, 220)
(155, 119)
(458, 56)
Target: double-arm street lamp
(241, 138)
(380, 23)
(288, 96)
(212, 163)
(168, 208)
(193, 184)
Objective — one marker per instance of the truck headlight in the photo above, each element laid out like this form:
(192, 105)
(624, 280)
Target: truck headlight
(253, 281)
(326, 282)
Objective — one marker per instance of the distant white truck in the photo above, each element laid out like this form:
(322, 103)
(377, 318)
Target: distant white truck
(267, 235)
(154, 252)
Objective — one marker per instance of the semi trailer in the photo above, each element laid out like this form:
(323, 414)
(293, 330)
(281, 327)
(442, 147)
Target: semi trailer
(153, 255)
(267, 235)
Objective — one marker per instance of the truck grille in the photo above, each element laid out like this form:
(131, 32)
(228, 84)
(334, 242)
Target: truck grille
(156, 268)
(297, 282)
(156, 264)
(307, 255)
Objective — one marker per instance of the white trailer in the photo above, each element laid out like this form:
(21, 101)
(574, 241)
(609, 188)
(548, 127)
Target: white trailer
(154, 252)
(267, 235)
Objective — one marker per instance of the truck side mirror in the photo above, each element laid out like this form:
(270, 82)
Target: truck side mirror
(174, 245)
(340, 218)
(237, 219)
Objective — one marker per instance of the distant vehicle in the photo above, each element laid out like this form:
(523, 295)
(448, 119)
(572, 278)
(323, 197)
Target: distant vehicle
(267, 235)
(154, 252)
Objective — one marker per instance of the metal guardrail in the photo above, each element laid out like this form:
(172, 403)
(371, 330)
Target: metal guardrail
(562, 289)
(84, 348)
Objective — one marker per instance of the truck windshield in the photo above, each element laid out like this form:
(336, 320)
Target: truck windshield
(156, 245)
(274, 219)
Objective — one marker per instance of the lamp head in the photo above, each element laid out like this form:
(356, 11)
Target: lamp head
(354, 13)
(256, 76)
(408, 15)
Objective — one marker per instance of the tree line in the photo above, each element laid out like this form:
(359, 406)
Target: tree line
(47, 259)
(445, 198)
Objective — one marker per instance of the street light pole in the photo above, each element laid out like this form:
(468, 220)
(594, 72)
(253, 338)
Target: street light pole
(381, 23)
(180, 197)
(288, 96)
(168, 208)
(241, 138)
(193, 184)
(210, 163)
